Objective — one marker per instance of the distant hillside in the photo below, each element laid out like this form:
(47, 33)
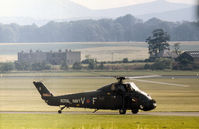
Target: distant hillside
(184, 14)
(66, 10)
(126, 28)
(158, 6)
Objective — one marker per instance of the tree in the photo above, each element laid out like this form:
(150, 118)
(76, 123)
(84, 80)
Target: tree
(92, 64)
(101, 66)
(177, 48)
(87, 61)
(40, 66)
(5, 67)
(22, 66)
(125, 60)
(158, 42)
(162, 63)
(147, 66)
(184, 62)
(77, 66)
(124, 28)
(64, 66)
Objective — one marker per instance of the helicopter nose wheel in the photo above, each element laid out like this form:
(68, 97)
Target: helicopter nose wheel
(60, 111)
(122, 111)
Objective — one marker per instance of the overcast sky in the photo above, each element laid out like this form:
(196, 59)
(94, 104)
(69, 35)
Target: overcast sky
(9, 7)
(103, 4)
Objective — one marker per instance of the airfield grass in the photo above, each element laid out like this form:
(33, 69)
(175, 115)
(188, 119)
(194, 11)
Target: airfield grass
(19, 94)
(102, 51)
(63, 121)
(103, 73)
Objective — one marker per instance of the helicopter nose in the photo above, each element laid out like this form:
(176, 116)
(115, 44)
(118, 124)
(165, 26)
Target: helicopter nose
(153, 103)
(150, 106)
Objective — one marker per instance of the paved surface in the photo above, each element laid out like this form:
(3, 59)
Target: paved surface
(95, 77)
(106, 113)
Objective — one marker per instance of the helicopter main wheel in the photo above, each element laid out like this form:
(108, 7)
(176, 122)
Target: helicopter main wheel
(134, 111)
(59, 111)
(122, 111)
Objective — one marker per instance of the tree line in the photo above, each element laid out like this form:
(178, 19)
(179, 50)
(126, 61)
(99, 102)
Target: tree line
(87, 64)
(93, 64)
(125, 28)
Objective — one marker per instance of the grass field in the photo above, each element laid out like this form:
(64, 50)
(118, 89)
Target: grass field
(103, 73)
(56, 121)
(115, 53)
(102, 51)
(18, 94)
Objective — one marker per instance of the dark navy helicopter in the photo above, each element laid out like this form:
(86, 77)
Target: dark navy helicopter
(120, 96)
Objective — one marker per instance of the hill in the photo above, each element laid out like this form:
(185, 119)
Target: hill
(37, 12)
(150, 8)
(125, 28)
(184, 14)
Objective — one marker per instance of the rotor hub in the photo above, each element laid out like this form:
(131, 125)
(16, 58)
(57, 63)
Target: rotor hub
(120, 79)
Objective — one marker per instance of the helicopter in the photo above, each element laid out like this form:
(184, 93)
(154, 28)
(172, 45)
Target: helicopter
(119, 95)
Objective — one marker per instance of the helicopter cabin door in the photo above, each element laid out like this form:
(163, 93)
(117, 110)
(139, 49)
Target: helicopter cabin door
(108, 98)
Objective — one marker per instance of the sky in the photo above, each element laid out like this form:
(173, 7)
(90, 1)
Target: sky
(8, 7)
(103, 4)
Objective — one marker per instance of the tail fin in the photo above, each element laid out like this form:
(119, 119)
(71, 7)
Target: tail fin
(44, 92)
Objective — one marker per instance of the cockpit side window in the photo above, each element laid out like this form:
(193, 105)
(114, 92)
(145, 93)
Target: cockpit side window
(113, 87)
(128, 87)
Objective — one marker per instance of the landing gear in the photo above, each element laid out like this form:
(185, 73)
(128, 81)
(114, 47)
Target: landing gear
(95, 110)
(60, 111)
(122, 111)
(134, 111)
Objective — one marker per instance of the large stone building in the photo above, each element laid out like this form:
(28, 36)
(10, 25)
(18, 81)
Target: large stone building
(55, 58)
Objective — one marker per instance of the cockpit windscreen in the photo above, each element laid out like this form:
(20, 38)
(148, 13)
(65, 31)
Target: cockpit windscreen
(133, 86)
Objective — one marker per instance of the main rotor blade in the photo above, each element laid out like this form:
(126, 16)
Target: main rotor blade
(147, 76)
(162, 83)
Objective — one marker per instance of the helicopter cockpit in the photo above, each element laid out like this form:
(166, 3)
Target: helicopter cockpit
(134, 87)
(131, 86)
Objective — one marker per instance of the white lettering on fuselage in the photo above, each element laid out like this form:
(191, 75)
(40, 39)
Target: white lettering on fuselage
(65, 101)
(76, 101)
(80, 101)
(94, 99)
(83, 100)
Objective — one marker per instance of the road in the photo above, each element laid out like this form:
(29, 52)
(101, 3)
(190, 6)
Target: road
(92, 77)
(105, 113)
